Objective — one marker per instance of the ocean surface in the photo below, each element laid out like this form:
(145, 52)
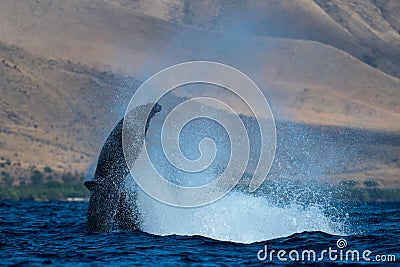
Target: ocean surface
(53, 233)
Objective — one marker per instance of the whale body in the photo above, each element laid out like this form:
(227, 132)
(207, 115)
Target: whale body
(109, 202)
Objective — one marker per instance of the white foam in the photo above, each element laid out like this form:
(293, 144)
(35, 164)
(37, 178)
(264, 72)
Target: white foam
(236, 217)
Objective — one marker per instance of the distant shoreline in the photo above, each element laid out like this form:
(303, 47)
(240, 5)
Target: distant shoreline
(76, 192)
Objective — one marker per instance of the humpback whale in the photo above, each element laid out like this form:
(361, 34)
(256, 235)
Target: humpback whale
(108, 201)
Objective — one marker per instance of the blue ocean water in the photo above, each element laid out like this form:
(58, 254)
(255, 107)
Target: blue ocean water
(53, 233)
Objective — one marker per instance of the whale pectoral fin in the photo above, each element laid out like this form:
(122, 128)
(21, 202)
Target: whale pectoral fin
(90, 185)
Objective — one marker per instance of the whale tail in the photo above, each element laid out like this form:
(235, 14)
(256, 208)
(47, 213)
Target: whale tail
(109, 202)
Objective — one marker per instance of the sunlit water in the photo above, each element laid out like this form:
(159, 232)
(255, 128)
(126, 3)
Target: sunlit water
(38, 233)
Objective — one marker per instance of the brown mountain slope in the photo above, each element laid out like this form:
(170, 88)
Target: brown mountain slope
(368, 30)
(51, 112)
(375, 25)
(56, 112)
(339, 89)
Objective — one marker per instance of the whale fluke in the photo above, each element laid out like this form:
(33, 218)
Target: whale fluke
(108, 202)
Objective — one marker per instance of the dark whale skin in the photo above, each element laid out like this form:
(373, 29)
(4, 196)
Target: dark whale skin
(108, 202)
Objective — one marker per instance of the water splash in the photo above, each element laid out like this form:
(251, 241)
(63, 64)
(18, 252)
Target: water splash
(277, 210)
(237, 217)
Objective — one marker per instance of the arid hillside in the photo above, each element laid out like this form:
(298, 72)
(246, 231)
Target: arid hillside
(68, 68)
(54, 113)
(368, 30)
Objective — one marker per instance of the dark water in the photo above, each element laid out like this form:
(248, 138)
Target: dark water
(53, 233)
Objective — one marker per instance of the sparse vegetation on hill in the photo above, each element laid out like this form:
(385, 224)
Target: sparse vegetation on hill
(41, 187)
(52, 190)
